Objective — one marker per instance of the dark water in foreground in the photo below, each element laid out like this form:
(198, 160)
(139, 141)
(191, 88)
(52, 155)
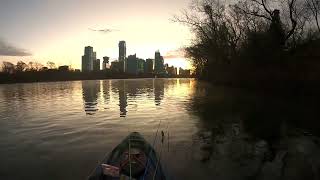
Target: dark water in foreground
(61, 130)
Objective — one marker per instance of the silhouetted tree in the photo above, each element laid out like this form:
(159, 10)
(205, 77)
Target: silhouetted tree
(21, 66)
(228, 36)
(7, 67)
(314, 7)
(294, 17)
(51, 65)
(260, 9)
(34, 66)
(218, 33)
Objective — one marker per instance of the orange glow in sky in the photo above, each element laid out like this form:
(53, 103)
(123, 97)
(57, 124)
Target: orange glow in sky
(59, 30)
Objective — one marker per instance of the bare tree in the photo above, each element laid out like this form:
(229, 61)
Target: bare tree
(314, 7)
(34, 66)
(218, 33)
(252, 33)
(51, 65)
(21, 66)
(7, 67)
(262, 9)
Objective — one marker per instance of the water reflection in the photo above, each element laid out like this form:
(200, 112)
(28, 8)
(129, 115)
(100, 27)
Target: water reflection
(48, 124)
(106, 86)
(90, 91)
(122, 98)
(128, 92)
(158, 88)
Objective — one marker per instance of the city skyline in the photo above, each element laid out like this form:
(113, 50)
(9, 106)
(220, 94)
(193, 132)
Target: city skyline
(37, 29)
(130, 64)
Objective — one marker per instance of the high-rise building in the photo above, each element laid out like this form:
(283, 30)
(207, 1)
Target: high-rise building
(122, 50)
(184, 72)
(105, 63)
(149, 66)
(94, 56)
(95, 62)
(123, 55)
(132, 64)
(135, 65)
(115, 66)
(159, 63)
(87, 59)
(96, 66)
(171, 70)
(140, 65)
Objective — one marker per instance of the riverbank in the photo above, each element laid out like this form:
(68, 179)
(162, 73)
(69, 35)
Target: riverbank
(263, 112)
(296, 156)
(258, 135)
(52, 76)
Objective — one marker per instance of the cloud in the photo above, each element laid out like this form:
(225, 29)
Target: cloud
(104, 30)
(173, 54)
(7, 49)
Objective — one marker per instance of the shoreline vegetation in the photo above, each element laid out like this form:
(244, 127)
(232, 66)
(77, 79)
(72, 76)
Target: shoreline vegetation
(249, 44)
(263, 59)
(54, 75)
(270, 49)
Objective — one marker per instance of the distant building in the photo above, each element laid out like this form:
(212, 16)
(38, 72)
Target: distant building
(140, 65)
(115, 66)
(87, 59)
(135, 65)
(159, 63)
(96, 66)
(132, 64)
(166, 66)
(122, 51)
(171, 70)
(149, 65)
(184, 72)
(123, 55)
(94, 56)
(105, 63)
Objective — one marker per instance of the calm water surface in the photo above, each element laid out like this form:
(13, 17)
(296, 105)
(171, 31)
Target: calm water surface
(61, 130)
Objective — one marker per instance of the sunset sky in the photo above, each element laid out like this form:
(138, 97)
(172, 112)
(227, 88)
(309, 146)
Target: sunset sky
(58, 30)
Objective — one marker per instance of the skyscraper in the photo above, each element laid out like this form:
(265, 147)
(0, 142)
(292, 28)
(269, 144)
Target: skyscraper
(132, 64)
(149, 66)
(94, 55)
(105, 62)
(140, 65)
(96, 66)
(87, 59)
(159, 63)
(135, 65)
(123, 55)
(171, 70)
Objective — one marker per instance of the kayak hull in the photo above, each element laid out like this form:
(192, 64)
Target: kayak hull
(134, 157)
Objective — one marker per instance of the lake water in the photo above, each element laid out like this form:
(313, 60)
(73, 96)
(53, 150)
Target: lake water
(61, 130)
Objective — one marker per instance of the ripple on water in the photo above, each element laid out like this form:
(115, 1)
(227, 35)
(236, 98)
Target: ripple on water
(54, 125)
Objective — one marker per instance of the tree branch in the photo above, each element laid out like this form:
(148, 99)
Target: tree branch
(253, 13)
(265, 8)
(293, 21)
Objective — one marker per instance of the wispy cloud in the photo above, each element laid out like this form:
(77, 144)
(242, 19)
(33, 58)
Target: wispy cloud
(7, 49)
(104, 30)
(177, 53)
